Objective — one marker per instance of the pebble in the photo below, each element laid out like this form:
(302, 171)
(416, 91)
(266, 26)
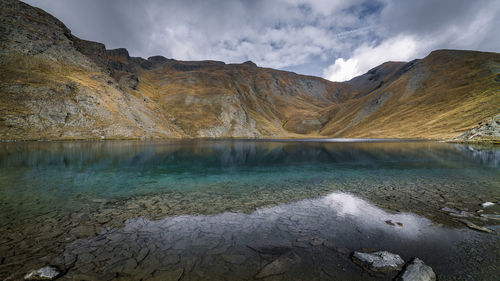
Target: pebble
(234, 259)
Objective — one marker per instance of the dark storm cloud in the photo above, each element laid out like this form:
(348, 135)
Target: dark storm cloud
(333, 38)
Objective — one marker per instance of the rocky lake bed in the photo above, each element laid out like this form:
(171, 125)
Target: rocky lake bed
(242, 210)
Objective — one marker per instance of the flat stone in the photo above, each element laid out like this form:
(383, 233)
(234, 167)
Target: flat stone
(271, 248)
(416, 270)
(279, 265)
(122, 266)
(461, 214)
(317, 241)
(449, 210)
(234, 259)
(474, 226)
(172, 275)
(381, 261)
(86, 277)
(491, 216)
(300, 244)
(142, 254)
(83, 231)
(170, 259)
(44, 273)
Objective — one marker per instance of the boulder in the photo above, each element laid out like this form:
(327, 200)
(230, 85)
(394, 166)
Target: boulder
(416, 270)
(381, 261)
(44, 273)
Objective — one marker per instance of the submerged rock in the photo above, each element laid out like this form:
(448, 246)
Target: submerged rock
(474, 226)
(417, 270)
(234, 259)
(491, 216)
(271, 248)
(381, 261)
(449, 210)
(456, 213)
(279, 265)
(44, 273)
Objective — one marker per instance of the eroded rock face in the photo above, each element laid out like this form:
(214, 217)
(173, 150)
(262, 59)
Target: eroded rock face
(416, 270)
(381, 261)
(44, 273)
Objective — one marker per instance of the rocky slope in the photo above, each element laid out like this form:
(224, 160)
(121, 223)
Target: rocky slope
(56, 86)
(486, 131)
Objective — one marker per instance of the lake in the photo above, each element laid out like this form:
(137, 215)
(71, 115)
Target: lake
(224, 209)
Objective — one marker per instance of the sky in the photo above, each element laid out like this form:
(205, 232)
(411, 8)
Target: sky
(333, 39)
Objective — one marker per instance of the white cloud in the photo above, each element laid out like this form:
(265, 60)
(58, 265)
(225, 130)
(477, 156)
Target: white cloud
(367, 56)
(305, 36)
(411, 29)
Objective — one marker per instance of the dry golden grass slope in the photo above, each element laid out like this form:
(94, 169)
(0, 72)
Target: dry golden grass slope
(54, 85)
(440, 96)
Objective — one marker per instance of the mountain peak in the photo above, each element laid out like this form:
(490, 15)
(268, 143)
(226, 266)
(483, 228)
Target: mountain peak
(249, 63)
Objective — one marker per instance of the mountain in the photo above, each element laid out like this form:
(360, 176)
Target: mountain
(56, 86)
(440, 96)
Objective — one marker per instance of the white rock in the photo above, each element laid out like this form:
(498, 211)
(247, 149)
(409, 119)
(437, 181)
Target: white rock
(417, 271)
(44, 273)
(487, 204)
(379, 261)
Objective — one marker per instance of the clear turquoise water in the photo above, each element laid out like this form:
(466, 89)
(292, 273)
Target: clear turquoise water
(54, 176)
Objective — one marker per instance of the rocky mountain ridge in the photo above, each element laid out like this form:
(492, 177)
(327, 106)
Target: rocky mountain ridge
(57, 86)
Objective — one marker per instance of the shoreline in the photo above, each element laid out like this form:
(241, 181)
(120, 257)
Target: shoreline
(494, 142)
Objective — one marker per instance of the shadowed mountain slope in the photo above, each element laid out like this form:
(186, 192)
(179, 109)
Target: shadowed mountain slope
(56, 86)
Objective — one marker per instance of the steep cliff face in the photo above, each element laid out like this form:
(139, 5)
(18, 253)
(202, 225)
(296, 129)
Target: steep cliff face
(56, 86)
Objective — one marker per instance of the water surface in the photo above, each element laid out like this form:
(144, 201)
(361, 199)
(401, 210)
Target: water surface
(203, 203)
